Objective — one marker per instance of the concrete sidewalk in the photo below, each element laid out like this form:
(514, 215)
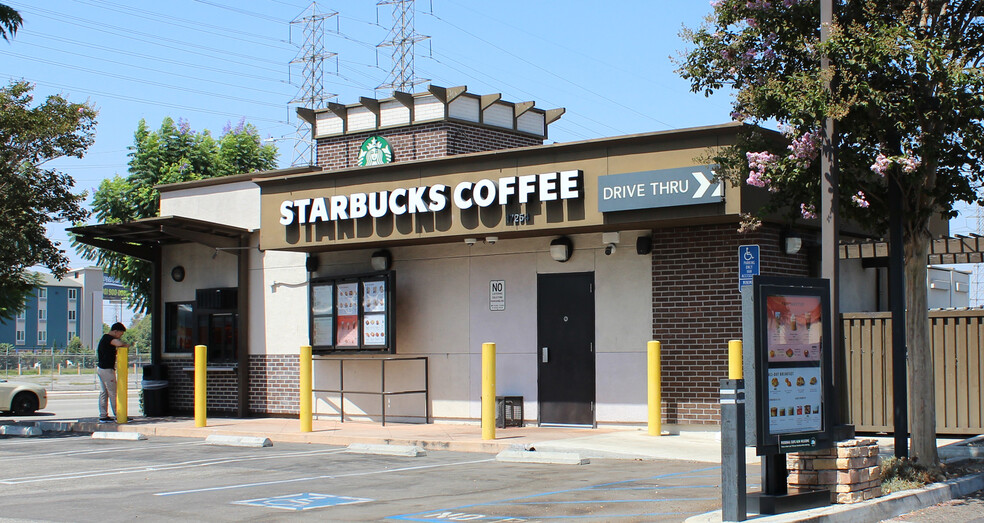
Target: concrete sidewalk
(604, 442)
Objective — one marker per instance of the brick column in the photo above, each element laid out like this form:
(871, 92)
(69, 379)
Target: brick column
(850, 470)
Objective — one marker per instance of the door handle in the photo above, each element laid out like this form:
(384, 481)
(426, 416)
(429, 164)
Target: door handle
(545, 357)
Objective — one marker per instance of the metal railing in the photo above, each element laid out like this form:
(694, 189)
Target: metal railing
(62, 370)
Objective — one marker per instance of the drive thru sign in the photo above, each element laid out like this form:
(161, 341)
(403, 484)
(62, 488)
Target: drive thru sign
(748, 264)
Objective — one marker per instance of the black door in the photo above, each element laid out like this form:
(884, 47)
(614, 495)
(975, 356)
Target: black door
(565, 337)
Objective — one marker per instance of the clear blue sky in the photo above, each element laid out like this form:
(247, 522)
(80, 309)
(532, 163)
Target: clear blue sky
(216, 61)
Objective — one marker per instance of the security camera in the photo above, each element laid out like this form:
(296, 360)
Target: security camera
(609, 249)
(470, 241)
(491, 240)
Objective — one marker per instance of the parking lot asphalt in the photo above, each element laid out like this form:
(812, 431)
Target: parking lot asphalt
(73, 477)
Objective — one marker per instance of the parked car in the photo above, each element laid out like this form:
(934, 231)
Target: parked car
(21, 398)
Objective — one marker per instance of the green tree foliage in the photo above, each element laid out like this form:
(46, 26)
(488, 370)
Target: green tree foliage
(908, 97)
(31, 195)
(174, 153)
(138, 334)
(10, 21)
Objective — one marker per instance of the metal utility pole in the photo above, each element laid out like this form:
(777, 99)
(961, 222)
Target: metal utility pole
(830, 233)
(403, 39)
(311, 94)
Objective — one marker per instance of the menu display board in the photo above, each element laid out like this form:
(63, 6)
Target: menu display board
(322, 330)
(348, 315)
(322, 313)
(795, 399)
(353, 313)
(794, 325)
(792, 362)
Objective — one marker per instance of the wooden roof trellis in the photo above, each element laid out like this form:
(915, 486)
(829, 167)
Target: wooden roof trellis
(953, 249)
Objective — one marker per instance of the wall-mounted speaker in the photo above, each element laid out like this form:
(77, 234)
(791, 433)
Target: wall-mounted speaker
(644, 245)
(311, 263)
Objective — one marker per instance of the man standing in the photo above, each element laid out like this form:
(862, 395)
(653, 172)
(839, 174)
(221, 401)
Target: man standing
(106, 370)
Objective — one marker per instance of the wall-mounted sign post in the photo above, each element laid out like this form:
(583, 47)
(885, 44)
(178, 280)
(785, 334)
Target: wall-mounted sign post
(497, 295)
(791, 381)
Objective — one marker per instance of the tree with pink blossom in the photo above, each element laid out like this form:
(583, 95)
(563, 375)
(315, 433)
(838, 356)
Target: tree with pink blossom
(908, 98)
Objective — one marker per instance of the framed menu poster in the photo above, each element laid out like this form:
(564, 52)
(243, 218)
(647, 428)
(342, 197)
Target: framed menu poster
(353, 313)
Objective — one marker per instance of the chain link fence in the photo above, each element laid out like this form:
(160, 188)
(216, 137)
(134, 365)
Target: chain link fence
(63, 370)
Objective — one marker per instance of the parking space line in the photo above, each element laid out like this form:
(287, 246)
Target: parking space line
(313, 478)
(581, 502)
(613, 516)
(156, 468)
(115, 450)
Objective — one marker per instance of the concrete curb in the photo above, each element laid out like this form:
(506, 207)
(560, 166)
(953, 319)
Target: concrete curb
(238, 441)
(963, 449)
(877, 509)
(126, 436)
(19, 430)
(386, 450)
(535, 456)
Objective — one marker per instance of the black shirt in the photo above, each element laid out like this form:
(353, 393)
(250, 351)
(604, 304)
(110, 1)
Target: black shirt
(106, 352)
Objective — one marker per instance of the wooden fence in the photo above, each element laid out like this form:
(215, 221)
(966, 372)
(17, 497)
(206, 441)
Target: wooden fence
(958, 354)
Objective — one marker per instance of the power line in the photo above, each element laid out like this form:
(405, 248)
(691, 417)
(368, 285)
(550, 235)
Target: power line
(520, 90)
(131, 34)
(169, 73)
(150, 57)
(139, 80)
(180, 22)
(149, 102)
(551, 73)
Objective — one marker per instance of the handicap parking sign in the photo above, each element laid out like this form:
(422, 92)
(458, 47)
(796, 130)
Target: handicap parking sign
(748, 264)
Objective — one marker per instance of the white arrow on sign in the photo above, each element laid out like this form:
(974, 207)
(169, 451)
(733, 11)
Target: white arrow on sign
(705, 184)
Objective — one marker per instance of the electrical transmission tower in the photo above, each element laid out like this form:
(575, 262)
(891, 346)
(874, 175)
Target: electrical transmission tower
(310, 59)
(403, 39)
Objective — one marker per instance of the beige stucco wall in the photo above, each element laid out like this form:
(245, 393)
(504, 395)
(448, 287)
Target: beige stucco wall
(442, 312)
(235, 204)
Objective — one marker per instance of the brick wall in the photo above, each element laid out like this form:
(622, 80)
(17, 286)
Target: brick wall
(418, 142)
(220, 387)
(274, 384)
(697, 309)
(273, 388)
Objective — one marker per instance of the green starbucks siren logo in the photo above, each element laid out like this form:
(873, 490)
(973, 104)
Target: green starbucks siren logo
(375, 151)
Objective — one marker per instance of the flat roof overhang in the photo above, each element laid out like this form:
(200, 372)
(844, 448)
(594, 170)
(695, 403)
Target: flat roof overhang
(139, 238)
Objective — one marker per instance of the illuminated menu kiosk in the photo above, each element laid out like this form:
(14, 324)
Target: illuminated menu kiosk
(793, 390)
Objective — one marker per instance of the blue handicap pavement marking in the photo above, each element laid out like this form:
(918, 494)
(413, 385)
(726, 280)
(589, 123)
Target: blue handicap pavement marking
(302, 501)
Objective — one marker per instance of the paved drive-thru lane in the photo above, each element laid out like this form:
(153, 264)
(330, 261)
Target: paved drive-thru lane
(76, 478)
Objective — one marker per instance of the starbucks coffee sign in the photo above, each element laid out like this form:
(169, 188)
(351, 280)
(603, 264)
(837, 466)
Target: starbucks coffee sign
(544, 187)
(375, 151)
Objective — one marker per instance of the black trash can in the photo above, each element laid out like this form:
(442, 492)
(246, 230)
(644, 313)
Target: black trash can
(154, 390)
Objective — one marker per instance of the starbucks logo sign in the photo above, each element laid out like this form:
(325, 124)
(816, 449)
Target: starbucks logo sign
(375, 151)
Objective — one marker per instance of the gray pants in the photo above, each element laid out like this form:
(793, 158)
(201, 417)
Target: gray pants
(107, 391)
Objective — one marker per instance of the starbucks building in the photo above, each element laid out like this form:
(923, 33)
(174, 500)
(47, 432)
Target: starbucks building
(437, 221)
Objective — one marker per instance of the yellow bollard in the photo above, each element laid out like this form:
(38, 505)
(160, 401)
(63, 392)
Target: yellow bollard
(655, 389)
(488, 391)
(734, 360)
(59, 369)
(201, 359)
(306, 388)
(121, 384)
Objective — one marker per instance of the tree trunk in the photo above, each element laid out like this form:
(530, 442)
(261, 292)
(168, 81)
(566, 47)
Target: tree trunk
(922, 388)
